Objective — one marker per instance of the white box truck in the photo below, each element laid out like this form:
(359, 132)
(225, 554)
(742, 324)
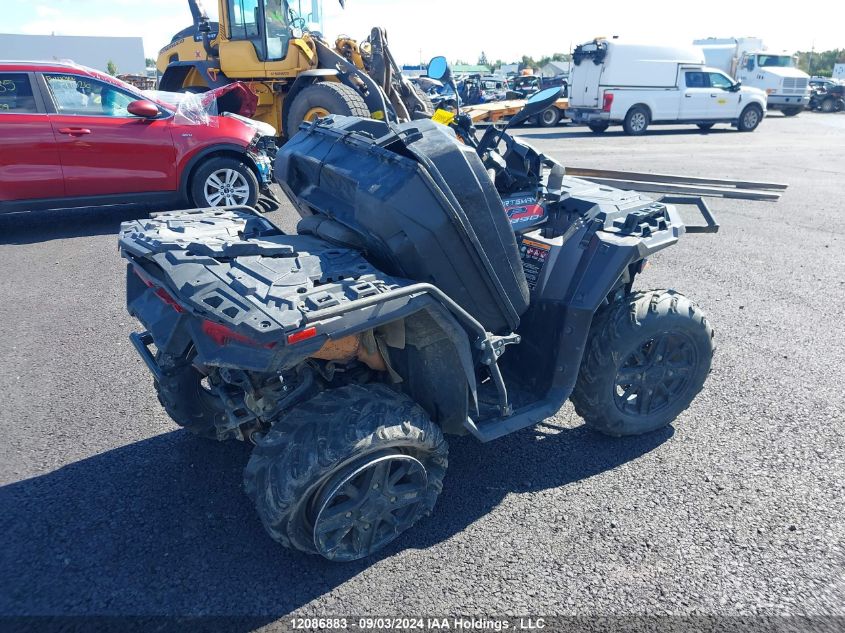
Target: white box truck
(747, 60)
(616, 82)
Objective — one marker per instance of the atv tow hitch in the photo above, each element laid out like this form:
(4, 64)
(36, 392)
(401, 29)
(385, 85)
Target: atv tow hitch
(142, 343)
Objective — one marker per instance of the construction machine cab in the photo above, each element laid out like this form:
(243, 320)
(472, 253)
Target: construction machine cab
(295, 74)
(264, 23)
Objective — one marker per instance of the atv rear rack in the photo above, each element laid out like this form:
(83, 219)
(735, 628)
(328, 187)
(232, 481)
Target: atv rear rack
(711, 224)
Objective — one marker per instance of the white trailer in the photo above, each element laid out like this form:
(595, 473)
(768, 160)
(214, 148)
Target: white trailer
(616, 82)
(747, 60)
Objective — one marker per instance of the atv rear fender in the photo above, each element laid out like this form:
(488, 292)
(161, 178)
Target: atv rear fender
(244, 295)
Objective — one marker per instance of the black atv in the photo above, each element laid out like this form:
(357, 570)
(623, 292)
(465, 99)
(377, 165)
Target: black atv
(412, 303)
(827, 97)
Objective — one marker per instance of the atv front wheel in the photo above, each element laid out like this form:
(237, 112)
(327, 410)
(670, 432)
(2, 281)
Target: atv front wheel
(647, 357)
(345, 473)
(186, 397)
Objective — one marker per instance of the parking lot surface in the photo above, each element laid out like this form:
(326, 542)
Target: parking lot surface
(107, 508)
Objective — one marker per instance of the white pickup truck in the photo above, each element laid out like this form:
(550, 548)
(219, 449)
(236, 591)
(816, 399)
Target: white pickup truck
(637, 85)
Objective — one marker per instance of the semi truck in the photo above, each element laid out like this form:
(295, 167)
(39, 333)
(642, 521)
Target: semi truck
(616, 82)
(747, 60)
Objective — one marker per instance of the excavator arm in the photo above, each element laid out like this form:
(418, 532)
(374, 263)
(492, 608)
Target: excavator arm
(382, 67)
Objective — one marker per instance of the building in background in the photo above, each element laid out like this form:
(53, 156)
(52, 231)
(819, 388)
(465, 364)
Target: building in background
(555, 69)
(126, 53)
(506, 70)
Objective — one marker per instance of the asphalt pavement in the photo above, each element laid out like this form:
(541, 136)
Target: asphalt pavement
(107, 508)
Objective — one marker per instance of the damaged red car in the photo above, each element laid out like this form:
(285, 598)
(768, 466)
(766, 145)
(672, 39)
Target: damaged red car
(71, 136)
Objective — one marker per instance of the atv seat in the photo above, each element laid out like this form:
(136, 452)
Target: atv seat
(417, 202)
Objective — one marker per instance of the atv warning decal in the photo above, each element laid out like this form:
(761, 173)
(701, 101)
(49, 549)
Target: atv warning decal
(524, 211)
(534, 256)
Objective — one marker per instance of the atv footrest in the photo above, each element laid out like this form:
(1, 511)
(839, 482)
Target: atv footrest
(521, 419)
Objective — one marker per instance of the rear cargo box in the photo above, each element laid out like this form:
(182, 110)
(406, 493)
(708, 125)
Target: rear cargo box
(419, 204)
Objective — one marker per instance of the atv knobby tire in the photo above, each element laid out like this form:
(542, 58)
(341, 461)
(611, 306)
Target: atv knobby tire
(185, 399)
(297, 461)
(325, 97)
(658, 337)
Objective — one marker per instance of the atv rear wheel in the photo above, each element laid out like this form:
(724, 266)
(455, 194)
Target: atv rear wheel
(186, 397)
(345, 473)
(598, 128)
(322, 99)
(705, 126)
(647, 357)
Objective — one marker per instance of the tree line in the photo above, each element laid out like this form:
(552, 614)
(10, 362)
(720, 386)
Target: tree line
(820, 62)
(525, 62)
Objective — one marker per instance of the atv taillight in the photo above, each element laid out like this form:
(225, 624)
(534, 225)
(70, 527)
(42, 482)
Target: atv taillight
(608, 101)
(223, 335)
(162, 294)
(302, 335)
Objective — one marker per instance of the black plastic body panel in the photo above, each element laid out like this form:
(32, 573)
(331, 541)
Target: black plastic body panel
(236, 269)
(421, 203)
(572, 275)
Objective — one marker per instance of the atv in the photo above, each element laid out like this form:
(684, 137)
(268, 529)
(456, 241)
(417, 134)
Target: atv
(436, 285)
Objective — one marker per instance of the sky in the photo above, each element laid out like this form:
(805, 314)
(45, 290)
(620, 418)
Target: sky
(461, 30)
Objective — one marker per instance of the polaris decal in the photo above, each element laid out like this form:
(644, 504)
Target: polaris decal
(523, 211)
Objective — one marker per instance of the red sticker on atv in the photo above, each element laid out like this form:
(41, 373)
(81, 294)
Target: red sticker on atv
(524, 213)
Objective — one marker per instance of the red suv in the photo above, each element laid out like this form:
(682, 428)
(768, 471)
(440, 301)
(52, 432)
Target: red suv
(71, 137)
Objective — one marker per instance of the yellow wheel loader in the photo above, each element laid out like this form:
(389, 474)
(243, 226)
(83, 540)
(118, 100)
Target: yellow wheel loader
(295, 73)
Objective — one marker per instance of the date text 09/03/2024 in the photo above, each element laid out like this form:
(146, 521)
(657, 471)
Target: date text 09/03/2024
(419, 624)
